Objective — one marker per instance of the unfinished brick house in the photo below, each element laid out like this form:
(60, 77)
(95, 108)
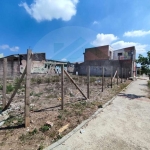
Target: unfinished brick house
(97, 57)
(40, 65)
(98, 53)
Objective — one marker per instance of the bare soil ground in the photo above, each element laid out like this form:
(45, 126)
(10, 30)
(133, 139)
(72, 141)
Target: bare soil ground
(122, 125)
(45, 106)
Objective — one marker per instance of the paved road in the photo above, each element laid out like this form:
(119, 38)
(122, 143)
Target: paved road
(123, 125)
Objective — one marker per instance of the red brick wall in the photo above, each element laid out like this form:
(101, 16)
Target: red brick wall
(97, 53)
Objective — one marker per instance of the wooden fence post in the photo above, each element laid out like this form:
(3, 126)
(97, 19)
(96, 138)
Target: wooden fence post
(121, 75)
(117, 75)
(88, 82)
(4, 81)
(111, 75)
(27, 89)
(102, 79)
(62, 87)
(125, 75)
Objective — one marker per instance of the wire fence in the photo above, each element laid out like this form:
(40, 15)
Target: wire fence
(49, 92)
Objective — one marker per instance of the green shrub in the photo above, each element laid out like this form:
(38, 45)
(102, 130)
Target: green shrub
(33, 132)
(44, 128)
(9, 88)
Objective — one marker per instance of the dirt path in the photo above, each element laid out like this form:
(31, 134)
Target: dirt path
(123, 125)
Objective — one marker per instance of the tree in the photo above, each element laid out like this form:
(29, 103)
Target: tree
(144, 62)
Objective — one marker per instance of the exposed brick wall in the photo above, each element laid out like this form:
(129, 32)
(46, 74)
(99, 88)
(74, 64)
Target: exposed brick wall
(97, 53)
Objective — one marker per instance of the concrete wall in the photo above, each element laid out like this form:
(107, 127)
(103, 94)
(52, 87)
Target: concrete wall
(96, 67)
(13, 69)
(36, 66)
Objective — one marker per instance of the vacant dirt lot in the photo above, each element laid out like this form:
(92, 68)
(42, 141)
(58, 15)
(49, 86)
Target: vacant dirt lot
(123, 125)
(45, 106)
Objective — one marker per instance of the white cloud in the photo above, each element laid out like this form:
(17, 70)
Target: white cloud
(51, 9)
(14, 49)
(5, 46)
(95, 22)
(140, 48)
(64, 59)
(1, 55)
(136, 33)
(104, 39)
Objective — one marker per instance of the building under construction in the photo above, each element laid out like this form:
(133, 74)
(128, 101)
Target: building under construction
(105, 56)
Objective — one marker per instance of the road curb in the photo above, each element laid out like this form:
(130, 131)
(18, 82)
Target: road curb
(54, 145)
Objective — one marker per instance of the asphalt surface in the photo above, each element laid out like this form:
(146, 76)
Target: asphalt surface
(122, 125)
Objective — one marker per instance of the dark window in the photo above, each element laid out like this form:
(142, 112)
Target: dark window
(119, 54)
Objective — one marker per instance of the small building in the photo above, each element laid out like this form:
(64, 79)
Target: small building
(39, 65)
(105, 56)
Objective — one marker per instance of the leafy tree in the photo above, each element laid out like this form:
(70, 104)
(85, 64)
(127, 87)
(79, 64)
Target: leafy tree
(145, 63)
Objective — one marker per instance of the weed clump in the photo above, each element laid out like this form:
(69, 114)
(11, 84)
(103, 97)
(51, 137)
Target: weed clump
(44, 128)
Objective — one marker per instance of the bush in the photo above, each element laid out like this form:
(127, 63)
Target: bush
(44, 128)
(9, 88)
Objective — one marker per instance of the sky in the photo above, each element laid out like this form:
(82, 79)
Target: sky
(64, 28)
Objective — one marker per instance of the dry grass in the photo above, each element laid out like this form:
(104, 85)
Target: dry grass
(47, 108)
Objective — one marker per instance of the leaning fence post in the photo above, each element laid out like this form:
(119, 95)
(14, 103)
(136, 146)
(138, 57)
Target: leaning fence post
(27, 90)
(102, 79)
(62, 87)
(88, 82)
(4, 81)
(111, 75)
